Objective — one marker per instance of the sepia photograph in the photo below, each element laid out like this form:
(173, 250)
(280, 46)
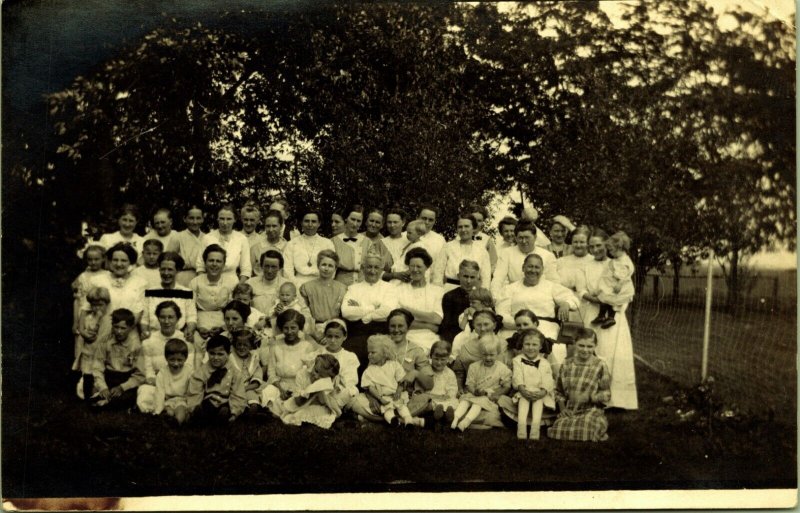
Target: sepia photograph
(399, 255)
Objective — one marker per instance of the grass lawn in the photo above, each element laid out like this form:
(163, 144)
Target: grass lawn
(53, 446)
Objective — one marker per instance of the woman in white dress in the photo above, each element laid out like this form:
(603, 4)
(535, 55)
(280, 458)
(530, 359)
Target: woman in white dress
(571, 267)
(614, 344)
(422, 299)
(463, 247)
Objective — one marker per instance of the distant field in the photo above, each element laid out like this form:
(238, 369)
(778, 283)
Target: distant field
(752, 356)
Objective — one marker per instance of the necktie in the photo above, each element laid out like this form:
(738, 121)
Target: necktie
(350, 239)
(216, 377)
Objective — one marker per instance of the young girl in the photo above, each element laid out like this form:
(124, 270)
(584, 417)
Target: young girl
(616, 283)
(172, 382)
(93, 257)
(234, 315)
(246, 361)
(89, 325)
(286, 356)
(168, 314)
(486, 324)
(487, 380)
(523, 320)
(148, 271)
(287, 299)
(381, 378)
(335, 334)
(532, 378)
(216, 389)
(324, 295)
(314, 400)
(445, 387)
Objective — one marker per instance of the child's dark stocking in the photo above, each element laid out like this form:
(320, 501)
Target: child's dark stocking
(88, 387)
(606, 312)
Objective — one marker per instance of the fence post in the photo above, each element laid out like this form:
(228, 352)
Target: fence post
(707, 322)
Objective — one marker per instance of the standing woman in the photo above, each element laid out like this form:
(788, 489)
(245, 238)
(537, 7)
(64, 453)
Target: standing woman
(349, 247)
(281, 205)
(237, 249)
(464, 247)
(124, 289)
(413, 359)
(300, 255)
(613, 344)
(189, 244)
(559, 229)
(422, 299)
(127, 217)
(272, 239)
(571, 267)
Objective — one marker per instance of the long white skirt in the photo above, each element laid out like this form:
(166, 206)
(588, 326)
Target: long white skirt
(615, 346)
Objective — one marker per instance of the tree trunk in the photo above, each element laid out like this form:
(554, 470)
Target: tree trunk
(734, 292)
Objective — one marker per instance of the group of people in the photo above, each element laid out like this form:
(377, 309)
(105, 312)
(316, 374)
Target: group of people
(393, 323)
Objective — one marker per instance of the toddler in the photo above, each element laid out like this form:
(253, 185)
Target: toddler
(246, 361)
(479, 299)
(244, 293)
(487, 380)
(335, 334)
(381, 379)
(151, 250)
(118, 363)
(314, 401)
(89, 325)
(468, 349)
(93, 257)
(285, 357)
(216, 389)
(287, 299)
(532, 378)
(445, 387)
(168, 313)
(616, 283)
(172, 381)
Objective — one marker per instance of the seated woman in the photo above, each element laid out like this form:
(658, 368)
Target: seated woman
(414, 359)
(422, 299)
(324, 295)
(582, 391)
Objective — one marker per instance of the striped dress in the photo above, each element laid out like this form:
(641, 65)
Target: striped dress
(588, 422)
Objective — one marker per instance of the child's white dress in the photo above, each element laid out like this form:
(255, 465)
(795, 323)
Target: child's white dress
(312, 411)
(489, 379)
(154, 362)
(252, 372)
(171, 389)
(618, 273)
(444, 384)
(534, 374)
(348, 375)
(386, 377)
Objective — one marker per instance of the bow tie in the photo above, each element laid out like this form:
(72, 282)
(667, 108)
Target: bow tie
(351, 239)
(534, 363)
(477, 237)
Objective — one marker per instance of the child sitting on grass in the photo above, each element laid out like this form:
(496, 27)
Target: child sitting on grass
(118, 363)
(616, 282)
(532, 378)
(216, 389)
(335, 334)
(314, 401)
(172, 382)
(487, 380)
(246, 361)
(151, 250)
(381, 380)
(445, 387)
(89, 326)
(485, 324)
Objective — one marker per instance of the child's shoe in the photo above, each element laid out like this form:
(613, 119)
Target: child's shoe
(598, 320)
(449, 415)
(438, 413)
(394, 421)
(608, 323)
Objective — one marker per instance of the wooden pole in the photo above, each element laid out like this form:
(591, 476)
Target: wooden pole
(707, 323)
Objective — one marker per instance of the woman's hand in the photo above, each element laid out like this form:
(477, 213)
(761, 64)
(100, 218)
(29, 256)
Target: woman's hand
(144, 333)
(535, 395)
(115, 392)
(563, 311)
(404, 276)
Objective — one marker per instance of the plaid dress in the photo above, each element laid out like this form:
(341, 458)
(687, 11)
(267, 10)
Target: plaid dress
(588, 423)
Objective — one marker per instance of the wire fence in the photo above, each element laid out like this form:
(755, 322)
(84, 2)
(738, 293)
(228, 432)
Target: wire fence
(752, 352)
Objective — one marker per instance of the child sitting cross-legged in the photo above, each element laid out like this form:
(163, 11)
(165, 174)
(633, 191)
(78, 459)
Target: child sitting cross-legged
(314, 399)
(216, 389)
(172, 382)
(118, 363)
(381, 381)
(285, 357)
